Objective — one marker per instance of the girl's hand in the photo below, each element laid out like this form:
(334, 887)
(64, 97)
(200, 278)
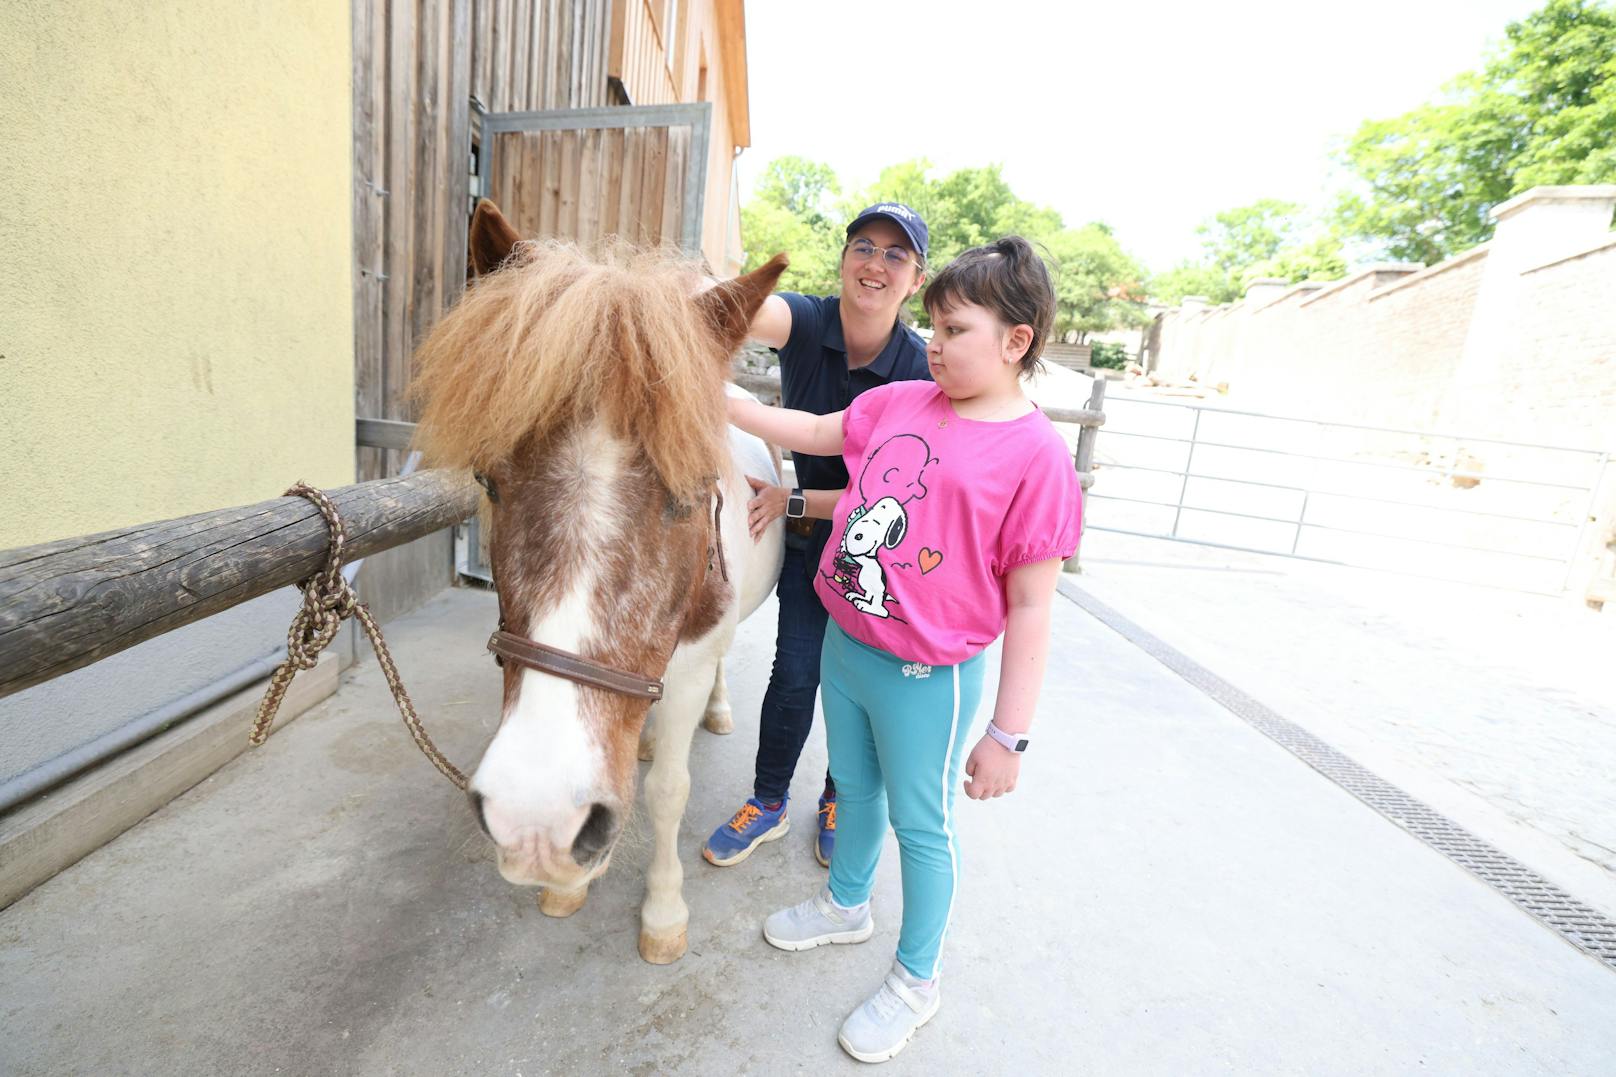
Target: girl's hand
(768, 504)
(991, 770)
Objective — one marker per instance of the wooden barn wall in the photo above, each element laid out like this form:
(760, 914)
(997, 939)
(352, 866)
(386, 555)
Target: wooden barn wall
(643, 54)
(412, 81)
(540, 54)
(416, 66)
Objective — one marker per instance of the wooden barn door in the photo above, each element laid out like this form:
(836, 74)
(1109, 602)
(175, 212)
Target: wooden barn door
(636, 172)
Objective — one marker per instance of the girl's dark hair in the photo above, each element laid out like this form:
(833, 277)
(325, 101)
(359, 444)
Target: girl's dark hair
(1006, 277)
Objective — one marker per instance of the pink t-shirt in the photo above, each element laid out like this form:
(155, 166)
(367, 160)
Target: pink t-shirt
(938, 510)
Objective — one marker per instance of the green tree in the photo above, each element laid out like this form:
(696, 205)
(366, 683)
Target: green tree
(966, 208)
(1266, 239)
(792, 209)
(1541, 110)
(804, 187)
(1194, 278)
(1239, 238)
(1319, 258)
(1096, 283)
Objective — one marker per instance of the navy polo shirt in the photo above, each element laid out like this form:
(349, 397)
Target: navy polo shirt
(814, 377)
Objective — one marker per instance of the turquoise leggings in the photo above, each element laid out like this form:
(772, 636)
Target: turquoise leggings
(897, 732)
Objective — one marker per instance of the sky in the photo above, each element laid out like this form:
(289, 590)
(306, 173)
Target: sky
(1149, 116)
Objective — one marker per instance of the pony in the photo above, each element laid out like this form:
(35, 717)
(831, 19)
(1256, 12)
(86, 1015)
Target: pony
(587, 393)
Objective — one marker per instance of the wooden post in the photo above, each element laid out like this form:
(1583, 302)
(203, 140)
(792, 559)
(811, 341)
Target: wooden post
(66, 604)
(1085, 454)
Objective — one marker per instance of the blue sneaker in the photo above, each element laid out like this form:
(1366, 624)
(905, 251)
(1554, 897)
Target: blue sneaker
(826, 841)
(748, 828)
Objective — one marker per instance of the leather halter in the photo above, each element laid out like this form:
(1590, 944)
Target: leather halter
(531, 654)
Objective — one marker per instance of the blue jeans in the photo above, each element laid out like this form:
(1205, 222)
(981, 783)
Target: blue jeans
(788, 704)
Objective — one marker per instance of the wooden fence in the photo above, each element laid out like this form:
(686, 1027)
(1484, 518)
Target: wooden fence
(66, 604)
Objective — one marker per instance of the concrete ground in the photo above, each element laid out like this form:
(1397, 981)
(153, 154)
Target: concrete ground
(1169, 892)
(1496, 707)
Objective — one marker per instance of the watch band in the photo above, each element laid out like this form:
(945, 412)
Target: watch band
(1015, 742)
(796, 504)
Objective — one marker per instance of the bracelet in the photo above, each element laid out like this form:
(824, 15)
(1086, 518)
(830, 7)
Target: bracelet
(1015, 742)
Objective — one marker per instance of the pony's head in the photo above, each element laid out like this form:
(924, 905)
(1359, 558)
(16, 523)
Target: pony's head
(589, 395)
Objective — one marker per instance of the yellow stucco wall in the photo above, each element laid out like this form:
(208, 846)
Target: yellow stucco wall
(176, 316)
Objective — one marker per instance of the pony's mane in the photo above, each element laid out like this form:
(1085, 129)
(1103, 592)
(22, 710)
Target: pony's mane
(557, 337)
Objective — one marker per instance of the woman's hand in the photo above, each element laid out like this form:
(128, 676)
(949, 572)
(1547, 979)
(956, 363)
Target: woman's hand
(768, 504)
(992, 770)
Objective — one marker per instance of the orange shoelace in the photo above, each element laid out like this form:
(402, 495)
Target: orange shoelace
(829, 812)
(744, 817)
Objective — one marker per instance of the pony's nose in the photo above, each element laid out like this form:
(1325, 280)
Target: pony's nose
(476, 799)
(596, 835)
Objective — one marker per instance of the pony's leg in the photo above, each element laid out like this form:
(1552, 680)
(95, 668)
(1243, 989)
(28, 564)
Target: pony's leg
(718, 718)
(648, 736)
(664, 915)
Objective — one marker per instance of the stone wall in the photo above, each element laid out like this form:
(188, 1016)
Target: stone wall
(1514, 340)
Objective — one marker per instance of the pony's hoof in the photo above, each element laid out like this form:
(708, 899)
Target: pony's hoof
(562, 903)
(647, 749)
(718, 721)
(663, 949)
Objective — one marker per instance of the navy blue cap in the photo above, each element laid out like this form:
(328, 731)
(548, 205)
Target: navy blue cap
(913, 225)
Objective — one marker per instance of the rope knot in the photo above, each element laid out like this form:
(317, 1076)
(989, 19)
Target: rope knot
(328, 600)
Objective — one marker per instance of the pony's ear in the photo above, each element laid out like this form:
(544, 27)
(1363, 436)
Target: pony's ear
(730, 305)
(492, 238)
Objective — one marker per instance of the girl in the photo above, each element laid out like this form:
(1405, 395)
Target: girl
(962, 504)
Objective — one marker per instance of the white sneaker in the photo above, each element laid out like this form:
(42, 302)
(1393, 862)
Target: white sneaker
(817, 921)
(883, 1026)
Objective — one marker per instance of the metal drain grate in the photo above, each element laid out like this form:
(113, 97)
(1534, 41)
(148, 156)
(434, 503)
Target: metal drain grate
(1585, 928)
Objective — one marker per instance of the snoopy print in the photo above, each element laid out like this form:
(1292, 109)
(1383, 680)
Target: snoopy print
(891, 479)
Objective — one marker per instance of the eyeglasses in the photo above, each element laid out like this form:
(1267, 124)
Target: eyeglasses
(895, 257)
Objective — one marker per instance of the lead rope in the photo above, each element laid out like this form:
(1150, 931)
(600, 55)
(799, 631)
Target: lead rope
(328, 600)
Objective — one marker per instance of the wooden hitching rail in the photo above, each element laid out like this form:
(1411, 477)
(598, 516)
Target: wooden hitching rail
(66, 604)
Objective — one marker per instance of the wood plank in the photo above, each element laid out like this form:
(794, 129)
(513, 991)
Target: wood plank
(594, 95)
(571, 179)
(653, 179)
(563, 54)
(628, 192)
(542, 55)
(532, 184)
(612, 154)
(384, 433)
(514, 155)
(425, 197)
(499, 87)
(399, 230)
(617, 41)
(673, 185)
(482, 60)
(457, 193)
(550, 189)
(589, 188)
(64, 605)
(369, 172)
(521, 54)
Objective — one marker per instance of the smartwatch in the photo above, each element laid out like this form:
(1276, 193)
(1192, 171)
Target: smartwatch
(796, 504)
(1015, 742)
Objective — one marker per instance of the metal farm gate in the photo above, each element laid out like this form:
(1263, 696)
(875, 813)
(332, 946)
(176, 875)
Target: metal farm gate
(1473, 509)
(635, 172)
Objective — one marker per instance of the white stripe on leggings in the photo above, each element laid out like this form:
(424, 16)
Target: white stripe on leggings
(948, 828)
